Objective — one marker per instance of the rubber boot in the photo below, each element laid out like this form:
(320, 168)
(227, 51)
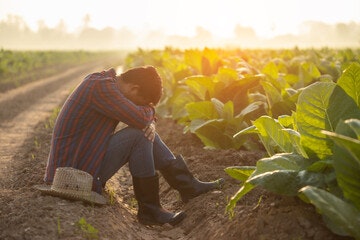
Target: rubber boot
(150, 212)
(180, 178)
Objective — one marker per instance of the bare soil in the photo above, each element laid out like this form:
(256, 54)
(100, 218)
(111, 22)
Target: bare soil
(27, 214)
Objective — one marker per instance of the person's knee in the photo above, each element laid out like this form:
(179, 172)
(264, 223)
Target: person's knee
(133, 131)
(135, 135)
(126, 138)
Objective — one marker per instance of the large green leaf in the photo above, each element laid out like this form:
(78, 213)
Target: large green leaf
(236, 90)
(287, 182)
(347, 162)
(272, 135)
(282, 161)
(201, 110)
(350, 82)
(341, 217)
(249, 109)
(320, 107)
(271, 70)
(227, 75)
(192, 57)
(285, 173)
(295, 140)
(216, 133)
(241, 173)
(210, 61)
(249, 130)
(272, 93)
(307, 74)
(201, 86)
(180, 98)
(211, 133)
(290, 165)
(228, 111)
(213, 122)
(313, 116)
(275, 137)
(342, 107)
(225, 111)
(354, 124)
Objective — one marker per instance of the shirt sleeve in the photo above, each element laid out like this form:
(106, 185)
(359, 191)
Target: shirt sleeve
(108, 100)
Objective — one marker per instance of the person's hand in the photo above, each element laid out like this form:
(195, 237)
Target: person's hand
(150, 131)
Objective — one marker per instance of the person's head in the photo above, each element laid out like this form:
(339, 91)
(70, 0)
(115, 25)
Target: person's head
(141, 85)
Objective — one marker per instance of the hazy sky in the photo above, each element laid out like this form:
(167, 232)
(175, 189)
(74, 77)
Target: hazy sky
(266, 17)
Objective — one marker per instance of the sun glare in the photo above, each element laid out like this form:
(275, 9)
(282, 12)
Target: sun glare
(179, 17)
(187, 18)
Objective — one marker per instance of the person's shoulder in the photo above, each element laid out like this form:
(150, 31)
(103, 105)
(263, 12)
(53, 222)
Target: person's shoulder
(103, 75)
(110, 72)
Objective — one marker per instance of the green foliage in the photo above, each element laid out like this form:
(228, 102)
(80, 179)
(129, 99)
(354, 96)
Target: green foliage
(240, 173)
(275, 136)
(58, 227)
(323, 167)
(342, 217)
(51, 121)
(215, 124)
(312, 116)
(271, 79)
(349, 81)
(314, 113)
(21, 67)
(205, 62)
(347, 158)
(293, 100)
(87, 230)
(347, 167)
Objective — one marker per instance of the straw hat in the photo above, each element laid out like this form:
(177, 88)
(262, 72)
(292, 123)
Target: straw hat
(73, 184)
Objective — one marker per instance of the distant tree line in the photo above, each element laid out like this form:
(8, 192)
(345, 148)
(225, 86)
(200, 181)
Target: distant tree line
(16, 34)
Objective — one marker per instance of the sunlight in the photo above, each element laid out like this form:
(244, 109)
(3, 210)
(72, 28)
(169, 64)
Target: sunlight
(267, 18)
(157, 22)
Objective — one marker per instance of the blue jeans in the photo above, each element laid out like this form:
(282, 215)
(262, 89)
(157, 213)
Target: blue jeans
(130, 145)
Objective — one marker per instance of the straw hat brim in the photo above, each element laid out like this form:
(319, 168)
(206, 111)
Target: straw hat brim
(93, 197)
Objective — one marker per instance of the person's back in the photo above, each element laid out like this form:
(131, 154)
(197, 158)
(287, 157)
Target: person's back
(86, 122)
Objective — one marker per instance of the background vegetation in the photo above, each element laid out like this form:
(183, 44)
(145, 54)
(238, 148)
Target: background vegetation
(301, 106)
(21, 67)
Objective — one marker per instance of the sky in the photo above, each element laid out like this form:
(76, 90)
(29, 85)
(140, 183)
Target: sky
(267, 17)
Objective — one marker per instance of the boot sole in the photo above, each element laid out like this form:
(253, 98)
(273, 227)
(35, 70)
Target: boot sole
(177, 219)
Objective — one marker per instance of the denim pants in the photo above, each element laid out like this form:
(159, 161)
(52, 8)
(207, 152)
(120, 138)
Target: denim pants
(130, 145)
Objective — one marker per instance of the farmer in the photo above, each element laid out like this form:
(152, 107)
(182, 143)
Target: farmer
(84, 138)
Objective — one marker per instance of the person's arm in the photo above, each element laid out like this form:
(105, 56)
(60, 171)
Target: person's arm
(108, 100)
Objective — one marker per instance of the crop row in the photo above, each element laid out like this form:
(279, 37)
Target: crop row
(301, 106)
(21, 67)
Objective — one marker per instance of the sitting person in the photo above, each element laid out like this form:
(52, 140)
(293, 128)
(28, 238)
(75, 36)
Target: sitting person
(84, 138)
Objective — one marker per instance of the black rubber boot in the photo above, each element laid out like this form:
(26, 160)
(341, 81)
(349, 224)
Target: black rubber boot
(180, 178)
(150, 211)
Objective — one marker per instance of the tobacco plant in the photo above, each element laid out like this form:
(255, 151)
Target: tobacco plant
(314, 153)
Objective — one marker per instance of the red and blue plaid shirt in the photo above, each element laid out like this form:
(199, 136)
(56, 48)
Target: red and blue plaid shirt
(86, 122)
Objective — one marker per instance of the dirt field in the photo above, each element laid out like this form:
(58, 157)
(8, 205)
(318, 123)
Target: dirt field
(27, 214)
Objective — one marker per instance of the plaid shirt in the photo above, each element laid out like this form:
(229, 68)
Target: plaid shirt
(86, 122)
